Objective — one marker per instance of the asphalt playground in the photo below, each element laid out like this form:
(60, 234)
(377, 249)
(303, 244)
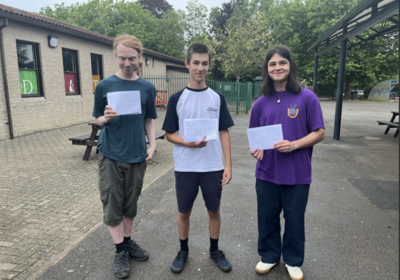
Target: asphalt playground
(352, 217)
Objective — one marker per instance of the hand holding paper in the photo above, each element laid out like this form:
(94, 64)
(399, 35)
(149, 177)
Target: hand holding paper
(109, 113)
(195, 129)
(198, 144)
(125, 102)
(264, 137)
(256, 153)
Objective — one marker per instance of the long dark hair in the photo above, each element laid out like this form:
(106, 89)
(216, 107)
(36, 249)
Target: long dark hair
(292, 85)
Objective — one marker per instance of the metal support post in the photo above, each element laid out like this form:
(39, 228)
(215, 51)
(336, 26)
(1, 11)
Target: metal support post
(238, 98)
(315, 72)
(339, 93)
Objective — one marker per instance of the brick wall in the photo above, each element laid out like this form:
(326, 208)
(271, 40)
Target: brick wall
(55, 109)
(156, 67)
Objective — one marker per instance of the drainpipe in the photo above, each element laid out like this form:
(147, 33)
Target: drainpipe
(10, 124)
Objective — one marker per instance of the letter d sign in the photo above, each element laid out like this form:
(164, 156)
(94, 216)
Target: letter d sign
(30, 84)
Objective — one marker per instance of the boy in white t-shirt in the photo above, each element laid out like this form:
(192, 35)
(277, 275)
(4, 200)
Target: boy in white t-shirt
(199, 163)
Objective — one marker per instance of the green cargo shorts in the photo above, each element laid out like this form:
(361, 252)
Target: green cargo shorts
(120, 185)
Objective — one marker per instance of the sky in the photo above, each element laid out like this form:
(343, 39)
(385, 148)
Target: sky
(34, 6)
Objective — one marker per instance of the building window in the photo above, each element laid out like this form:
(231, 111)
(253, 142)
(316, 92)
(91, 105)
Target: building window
(97, 69)
(71, 74)
(29, 69)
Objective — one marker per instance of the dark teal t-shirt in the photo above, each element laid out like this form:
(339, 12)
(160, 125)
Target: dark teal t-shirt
(123, 138)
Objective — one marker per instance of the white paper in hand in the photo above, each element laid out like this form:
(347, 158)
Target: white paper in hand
(195, 129)
(264, 137)
(125, 102)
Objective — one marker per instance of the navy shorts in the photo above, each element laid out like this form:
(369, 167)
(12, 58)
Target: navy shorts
(187, 186)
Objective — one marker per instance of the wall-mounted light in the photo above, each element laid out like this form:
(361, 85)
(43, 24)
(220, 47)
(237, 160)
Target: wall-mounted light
(53, 41)
(147, 61)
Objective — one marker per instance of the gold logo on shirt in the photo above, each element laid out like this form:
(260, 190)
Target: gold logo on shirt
(292, 111)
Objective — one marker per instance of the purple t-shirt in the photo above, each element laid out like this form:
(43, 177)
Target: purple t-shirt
(300, 114)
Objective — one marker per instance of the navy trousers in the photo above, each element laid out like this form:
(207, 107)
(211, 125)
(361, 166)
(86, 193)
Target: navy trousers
(271, 200)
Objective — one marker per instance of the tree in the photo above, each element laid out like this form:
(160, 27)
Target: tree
(366, 64)
(107, 17)
(239, 34)
(60, 12)
(196, 22)
(158, 8)
(218, 20)
(245, 47)
(298, 24)
(170, 36)
(111, 18)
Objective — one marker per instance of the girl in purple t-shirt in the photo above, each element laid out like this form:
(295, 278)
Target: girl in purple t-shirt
(284, 172)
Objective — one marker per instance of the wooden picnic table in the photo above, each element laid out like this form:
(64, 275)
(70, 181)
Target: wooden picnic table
(391, 124)
(91, 139)
(395, 114)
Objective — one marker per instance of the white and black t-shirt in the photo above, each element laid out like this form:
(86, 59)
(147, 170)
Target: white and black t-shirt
(197, 104)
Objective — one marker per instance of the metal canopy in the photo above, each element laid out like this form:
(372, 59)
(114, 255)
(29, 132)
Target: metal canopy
(364, 16)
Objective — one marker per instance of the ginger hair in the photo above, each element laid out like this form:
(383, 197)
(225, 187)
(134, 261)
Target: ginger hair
(128, 41)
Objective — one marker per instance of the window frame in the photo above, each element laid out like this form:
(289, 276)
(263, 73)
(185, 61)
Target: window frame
(38, 68)
(76, 67)
(99, 58)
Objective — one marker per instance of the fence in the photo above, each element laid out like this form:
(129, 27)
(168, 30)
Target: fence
(238, 95)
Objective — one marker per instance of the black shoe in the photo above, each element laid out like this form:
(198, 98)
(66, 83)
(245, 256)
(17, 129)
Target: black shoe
(179, 262)
(219, 257)
(136, 252)
(121, 264)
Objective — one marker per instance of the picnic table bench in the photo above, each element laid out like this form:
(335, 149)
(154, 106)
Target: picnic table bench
(91, 139)
(391, 124)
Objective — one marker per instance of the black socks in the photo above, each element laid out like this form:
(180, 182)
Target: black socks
(121, 246)
(213, 244)
(184, 245)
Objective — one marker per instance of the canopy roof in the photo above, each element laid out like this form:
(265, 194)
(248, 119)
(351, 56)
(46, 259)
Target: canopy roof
(364, 16)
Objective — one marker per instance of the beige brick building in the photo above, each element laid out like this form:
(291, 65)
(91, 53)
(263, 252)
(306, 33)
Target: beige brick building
(48, 70)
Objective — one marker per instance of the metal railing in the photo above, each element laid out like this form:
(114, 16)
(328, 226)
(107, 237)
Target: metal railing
(238, 95)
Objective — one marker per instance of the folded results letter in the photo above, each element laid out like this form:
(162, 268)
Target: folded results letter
(195, 129)
(125, 102)
(264, 137)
